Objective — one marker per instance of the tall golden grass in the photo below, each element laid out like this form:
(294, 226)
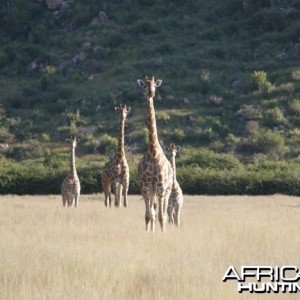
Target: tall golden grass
(92, 252)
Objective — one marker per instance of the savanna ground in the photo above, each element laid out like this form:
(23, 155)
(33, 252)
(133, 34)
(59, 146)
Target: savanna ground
(51, 252)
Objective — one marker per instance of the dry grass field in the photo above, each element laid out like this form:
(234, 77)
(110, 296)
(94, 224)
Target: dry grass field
(51, 252)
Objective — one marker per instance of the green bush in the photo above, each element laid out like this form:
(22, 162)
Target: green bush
(275, 117)
(163, 116)
(83, 14)
(194, 180)
(44, 83)
(259, 81)
(10, 53)
(5, 135)
(90, 180)
(36, 178)
(267, 141)
(294, 106)
(16, 23)
(146, 27)
(107, 144)
(39, 33)
(3, 60)
(207, 159)
(267, 20)
(179, 135)
(134, 186)
(265, 179)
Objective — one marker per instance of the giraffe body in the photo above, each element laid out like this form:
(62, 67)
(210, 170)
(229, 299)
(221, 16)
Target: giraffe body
(154, 170)
(176, 197)
(70, 188)
(116, 172)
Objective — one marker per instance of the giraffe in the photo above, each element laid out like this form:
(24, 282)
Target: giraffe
(154, 170)
(176, 197)
(70, 188)
(116, 172)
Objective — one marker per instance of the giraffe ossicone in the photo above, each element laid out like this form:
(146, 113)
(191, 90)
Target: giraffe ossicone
(115, 173)
(154, 170)
(70, 188)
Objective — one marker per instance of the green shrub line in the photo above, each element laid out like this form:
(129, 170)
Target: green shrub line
(34, 178)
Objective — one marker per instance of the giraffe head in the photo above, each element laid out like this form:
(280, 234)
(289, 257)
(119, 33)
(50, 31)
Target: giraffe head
(149, 85)
(73, 141)
(123, 109)
(173, 149)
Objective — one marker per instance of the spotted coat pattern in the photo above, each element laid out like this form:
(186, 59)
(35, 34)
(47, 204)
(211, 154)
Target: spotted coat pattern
(176, 197)
(154, 170)
(70, 188)
(115, 175)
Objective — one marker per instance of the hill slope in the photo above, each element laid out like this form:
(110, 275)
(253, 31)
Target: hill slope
(231, 78)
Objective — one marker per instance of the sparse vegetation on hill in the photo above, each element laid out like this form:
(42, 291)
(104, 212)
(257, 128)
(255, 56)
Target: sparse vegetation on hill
(231, 84)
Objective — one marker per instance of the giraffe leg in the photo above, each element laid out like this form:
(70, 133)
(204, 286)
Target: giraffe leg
(165, 209)
(147, 214)
(107, 192)
(106, 199)
(150, 212)
(106, 186)
(163, 201)
(76, 199)
(170, 214)
(109, 199)
(177, 215)
(117, 194)
(125, 202)
(120, 194)
(64, 200)
(166, 201)
(70, 201)
(174, 217)
(161, 213)
(125, 193)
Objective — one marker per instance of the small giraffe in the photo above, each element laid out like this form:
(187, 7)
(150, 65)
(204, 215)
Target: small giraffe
(176, 197)
(116, 172)
(70, 188)
(154, 170)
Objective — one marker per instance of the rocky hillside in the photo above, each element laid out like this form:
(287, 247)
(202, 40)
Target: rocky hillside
(230, 71)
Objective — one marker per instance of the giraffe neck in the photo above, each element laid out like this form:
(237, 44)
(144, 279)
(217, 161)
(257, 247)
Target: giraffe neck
(121, 150)
(153, 138)
(73, 172)
(174, 169)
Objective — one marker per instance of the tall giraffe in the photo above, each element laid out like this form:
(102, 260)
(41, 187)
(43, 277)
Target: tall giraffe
(116, 172)
(176, 197)
(70, 188)
(154, 170)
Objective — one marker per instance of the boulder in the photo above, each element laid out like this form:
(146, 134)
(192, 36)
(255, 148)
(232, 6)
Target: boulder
(54, 4)
(4, 149)
(103, 18)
